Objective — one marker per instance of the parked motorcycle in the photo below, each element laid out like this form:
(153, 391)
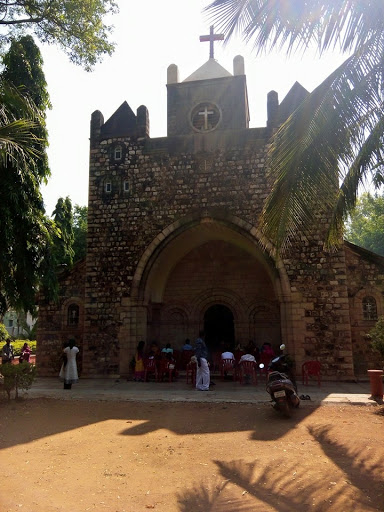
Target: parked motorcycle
(281, 384)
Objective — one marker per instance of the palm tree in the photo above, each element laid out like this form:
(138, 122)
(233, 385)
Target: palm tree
(333, 142)
(24, 229)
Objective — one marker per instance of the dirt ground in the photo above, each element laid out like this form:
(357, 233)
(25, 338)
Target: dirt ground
(75, 456)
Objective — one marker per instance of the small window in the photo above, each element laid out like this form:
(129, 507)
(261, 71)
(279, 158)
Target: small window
(10, 322)
(118, 153)
(369, 308)
(73, 314)
(108, 187)
(126, 186)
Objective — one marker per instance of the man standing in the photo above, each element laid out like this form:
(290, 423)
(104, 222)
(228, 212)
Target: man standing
(7, 353)
(202, 374)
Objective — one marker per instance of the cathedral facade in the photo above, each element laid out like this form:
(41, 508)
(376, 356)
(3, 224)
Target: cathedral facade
(173, 243)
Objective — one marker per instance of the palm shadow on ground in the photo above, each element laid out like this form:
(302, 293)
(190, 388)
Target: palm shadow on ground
(140, 420)
(285, 488)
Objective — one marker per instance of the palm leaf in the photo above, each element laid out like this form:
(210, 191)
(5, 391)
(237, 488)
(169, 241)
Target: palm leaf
(332, 142)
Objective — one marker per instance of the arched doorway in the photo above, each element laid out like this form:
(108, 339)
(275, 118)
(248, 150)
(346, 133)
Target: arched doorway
(219, 327)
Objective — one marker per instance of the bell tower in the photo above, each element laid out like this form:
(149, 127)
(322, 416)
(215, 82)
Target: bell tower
(210, 100)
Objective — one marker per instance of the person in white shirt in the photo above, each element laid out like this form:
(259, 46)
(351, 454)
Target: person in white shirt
(248, 357)
(227, 354)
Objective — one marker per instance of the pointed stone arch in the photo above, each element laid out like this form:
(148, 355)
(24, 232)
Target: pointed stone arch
(173, 245)
(169, 242)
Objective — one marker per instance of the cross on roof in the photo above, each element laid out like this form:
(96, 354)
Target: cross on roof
(211, 38)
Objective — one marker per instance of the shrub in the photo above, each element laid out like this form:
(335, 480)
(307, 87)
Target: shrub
(4, 335)
(17, 376)
(376, 335)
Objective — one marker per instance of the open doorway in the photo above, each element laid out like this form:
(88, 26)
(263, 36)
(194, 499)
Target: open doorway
(219, 327)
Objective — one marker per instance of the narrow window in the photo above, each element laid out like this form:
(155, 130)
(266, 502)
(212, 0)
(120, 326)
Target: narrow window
(118, 153)
(108, 187)
(73, 314)
(126, 186)
(369, 308)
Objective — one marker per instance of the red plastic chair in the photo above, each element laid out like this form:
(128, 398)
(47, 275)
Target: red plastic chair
(166, 370)
(265, 359)
(185, 358)
(216, 362)
(238, 354)
(191, 372)
(150, 367)
(248, 368)
(311, 369)
(227, 366)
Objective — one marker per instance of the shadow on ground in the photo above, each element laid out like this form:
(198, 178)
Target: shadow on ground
(261, 420)
(283, 488)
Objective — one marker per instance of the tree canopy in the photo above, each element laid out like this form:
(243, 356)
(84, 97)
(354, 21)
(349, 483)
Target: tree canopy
(333, 142)
(77, 26)
(63, 242)
(80, 225)
(25, 231)
(366, 224)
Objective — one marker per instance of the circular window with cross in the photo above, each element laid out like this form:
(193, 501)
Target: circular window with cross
(205, 117)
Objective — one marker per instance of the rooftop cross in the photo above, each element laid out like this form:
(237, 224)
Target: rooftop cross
(206, 113)
(211, 38)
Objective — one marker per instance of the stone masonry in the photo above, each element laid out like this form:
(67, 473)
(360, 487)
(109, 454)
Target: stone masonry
(173, 232)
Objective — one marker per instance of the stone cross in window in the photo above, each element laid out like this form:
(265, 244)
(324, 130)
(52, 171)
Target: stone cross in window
(206, 113)
(211, 38)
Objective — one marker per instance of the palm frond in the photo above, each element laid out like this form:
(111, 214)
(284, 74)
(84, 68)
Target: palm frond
(370, 156)
(346, 24)
(313, 150)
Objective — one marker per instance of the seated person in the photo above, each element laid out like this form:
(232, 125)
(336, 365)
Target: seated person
(25, 353)
(248, 357)
(154, 351)
(227, 354)
(187, 345)
(267, 349)
(167, 349)
(253, 349)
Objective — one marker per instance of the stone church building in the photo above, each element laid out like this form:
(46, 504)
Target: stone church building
(174, 245)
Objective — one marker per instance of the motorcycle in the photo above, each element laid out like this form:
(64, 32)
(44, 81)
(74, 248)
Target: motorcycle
(281, 384)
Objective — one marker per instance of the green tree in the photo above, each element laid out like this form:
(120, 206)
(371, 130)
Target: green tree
(23, 68)
(376, 335)
(63, 241)
(75, 25)
(4, 335)
(366, 224)
(334, 140)
(25, 231)
(80, 226)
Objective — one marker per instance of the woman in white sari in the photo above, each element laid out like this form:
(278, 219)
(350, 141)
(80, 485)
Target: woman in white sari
(68, 372)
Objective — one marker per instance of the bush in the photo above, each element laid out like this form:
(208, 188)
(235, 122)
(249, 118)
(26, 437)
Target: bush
(17, 376)
(4, 335)
(376, 335)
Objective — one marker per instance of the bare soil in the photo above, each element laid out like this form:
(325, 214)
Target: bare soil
(76, 456)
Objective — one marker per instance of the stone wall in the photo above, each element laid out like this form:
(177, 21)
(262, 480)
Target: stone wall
(167, 182)
(142, 201)
(365, 272)
(54, 327)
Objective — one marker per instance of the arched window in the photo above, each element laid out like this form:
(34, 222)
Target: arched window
(118, 153)
(369, 308)
(73, 314)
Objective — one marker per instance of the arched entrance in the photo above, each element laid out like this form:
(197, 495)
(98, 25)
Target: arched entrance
(219, 327)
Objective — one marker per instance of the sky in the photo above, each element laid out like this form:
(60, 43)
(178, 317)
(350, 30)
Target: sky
(150, 36)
